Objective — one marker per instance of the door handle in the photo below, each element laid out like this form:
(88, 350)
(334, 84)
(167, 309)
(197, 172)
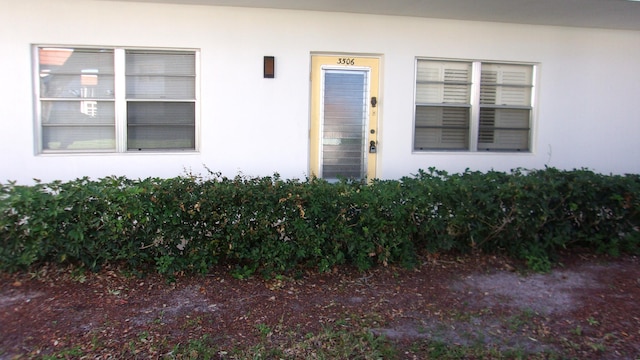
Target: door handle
(372, 147)
(374, 101)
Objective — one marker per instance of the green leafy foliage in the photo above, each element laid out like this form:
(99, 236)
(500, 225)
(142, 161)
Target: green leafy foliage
(272, 225)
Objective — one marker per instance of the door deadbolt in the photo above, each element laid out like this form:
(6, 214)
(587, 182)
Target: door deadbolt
(372, 147)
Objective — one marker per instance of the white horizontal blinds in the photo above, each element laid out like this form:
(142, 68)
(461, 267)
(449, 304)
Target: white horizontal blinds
(160, 88)
(160, 74)
(76, 99)
(505, 107)
(343, 127)
(441, 128)
(160, 125)
(442, 105)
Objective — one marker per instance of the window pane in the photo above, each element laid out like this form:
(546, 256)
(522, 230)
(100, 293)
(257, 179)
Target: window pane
(82, 76)
(75, 61)
(441, 128)
(506, 74)
(442, 94)
(78, 138)
(504, 118)
(505, 140)
(504, 129)
(506, 84)
(444, 71)
(76, 73)
(160, 138)
(160, 75)
(160, 87)
(77, 86)
(171, 63)
(441, 82)
(160, 125)
(505, 95)
(161, 113)
(88, 112)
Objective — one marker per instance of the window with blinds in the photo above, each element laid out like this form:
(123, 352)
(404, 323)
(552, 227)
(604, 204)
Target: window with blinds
(472, 106)
(77, 102)
(116, 100)
(442, 105)
(505, 107)
(160, 100)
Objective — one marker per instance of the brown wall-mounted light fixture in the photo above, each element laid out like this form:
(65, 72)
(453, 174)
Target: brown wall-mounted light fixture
(269, 67)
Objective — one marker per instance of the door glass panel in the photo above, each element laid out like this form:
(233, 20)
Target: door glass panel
(344, 121)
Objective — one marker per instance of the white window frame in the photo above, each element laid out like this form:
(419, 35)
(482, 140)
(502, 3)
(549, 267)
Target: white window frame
(475, 105)
(119, 99)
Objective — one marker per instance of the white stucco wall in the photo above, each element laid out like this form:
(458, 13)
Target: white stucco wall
(587, 113)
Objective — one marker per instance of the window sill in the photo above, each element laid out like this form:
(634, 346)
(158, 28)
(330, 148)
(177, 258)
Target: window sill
(467, 152)
(113, 153)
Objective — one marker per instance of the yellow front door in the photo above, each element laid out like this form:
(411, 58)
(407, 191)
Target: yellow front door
(344, 117)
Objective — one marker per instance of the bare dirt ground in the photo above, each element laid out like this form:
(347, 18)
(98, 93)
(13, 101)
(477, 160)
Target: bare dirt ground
(586, 308)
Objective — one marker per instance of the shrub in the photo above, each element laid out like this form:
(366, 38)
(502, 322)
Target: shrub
(190, 223)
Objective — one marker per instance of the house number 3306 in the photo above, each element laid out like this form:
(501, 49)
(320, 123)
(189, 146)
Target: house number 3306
(346, 61)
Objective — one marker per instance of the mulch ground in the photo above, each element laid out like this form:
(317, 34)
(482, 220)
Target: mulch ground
(587, 308)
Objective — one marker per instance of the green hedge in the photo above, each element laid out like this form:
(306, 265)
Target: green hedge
(188, 224)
